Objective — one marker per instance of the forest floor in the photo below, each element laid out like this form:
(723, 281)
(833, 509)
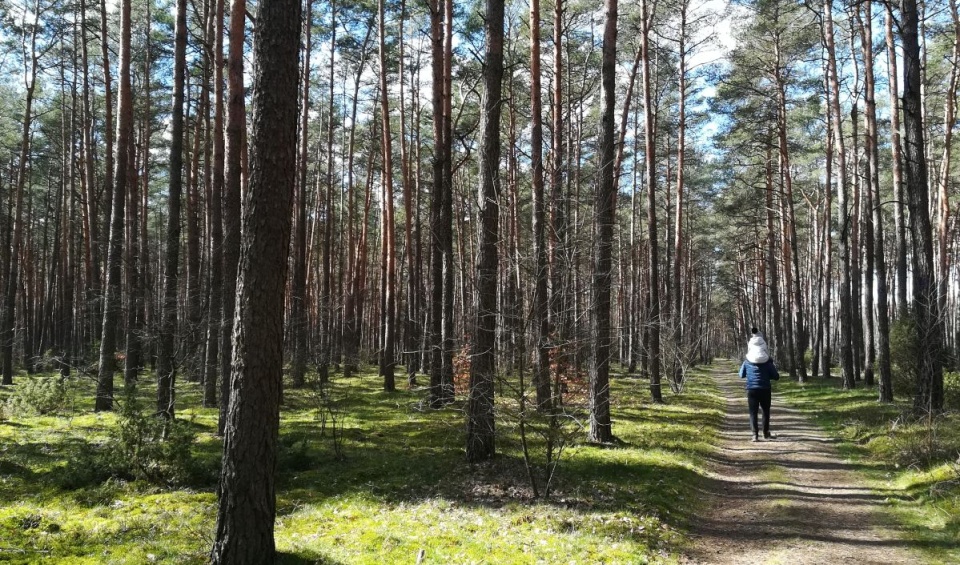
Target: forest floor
(793, 499)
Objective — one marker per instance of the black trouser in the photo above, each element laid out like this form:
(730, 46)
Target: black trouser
(759, 398)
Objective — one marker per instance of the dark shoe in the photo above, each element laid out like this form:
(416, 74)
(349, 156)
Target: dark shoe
(755, 438)
(769, 436)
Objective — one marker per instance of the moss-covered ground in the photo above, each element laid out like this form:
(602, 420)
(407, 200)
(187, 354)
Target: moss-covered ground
(400, 488)
(918, 459)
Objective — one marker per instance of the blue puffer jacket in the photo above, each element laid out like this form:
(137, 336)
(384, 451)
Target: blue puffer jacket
(759, 376)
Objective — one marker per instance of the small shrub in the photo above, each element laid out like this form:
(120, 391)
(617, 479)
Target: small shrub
(951, 390)
(146, 448)
(38, 396)
(904, 354)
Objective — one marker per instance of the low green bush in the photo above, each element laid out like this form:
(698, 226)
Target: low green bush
(144, 448)
(38, 396)
(951, 390)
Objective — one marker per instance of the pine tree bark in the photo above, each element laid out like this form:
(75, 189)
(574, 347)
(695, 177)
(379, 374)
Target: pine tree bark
(650, 155)
(112, 307)
(873, 166)
(214, 373)
(900, 224)
(247, 509)
(232, 190)
(388, 315)
(483, 367)
(846, 320)
(298, 283)
(926, 315)
(166, 367)
(540, 325)
(12, 278)
(605, 208)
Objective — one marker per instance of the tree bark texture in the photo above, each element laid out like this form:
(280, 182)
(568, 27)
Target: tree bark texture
(247, 509)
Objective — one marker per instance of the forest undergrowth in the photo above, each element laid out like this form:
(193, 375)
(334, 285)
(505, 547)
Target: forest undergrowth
(363, 477)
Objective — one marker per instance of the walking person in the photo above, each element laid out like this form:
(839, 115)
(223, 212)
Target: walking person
(758, 369)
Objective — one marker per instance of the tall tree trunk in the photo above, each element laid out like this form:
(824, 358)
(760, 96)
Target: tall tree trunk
(388, 315)
(798, 344)
(900, 224)
(879, 274)
(846, 320)
(675, 283)
(232, 190)
(166, 364)
(108, 132)
(436, 228)
(326, 291)
(112, 308)
(605, 209)
(540, 325)
(411, 330)
(650, 156)
(558, 220)
(943, 193)
(446, 210)
(357, 251)
(12, 278)
(91, 211)
(214, 373)
(298, 284)
(483, 366)
(929, 339)
(247, 510)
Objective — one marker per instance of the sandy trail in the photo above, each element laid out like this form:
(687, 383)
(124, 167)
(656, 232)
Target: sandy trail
(792, 500)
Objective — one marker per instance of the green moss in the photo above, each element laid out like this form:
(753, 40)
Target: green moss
(402, 486)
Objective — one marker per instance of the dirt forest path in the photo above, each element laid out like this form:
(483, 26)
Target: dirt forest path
(791, 500)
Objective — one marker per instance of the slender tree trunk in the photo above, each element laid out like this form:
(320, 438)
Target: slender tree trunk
(388, 315)
(326, 291)
(232, 190)
(12, 279)
(879, 274)
(411, 331)
(214, 373)
(646, 28)
(900, 224)
(943, 193)
(605, 208)
(436, 247)
(298, 284)
(166, 364)
(558, 228)
(929, 339)
(112, 307)
(540, 325)
(108, 133)
(483, 366)
(846, 320)
(357, 251)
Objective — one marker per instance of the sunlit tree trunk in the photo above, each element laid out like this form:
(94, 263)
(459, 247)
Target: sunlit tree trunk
(605, 208)
(926, 316)
(900, 224)
(112, 298)
(650, 156)
(540, 326)
(166, 367)
(247, 509)
(483, 366)
(846, 321)
(232, 190)
(389, 283)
